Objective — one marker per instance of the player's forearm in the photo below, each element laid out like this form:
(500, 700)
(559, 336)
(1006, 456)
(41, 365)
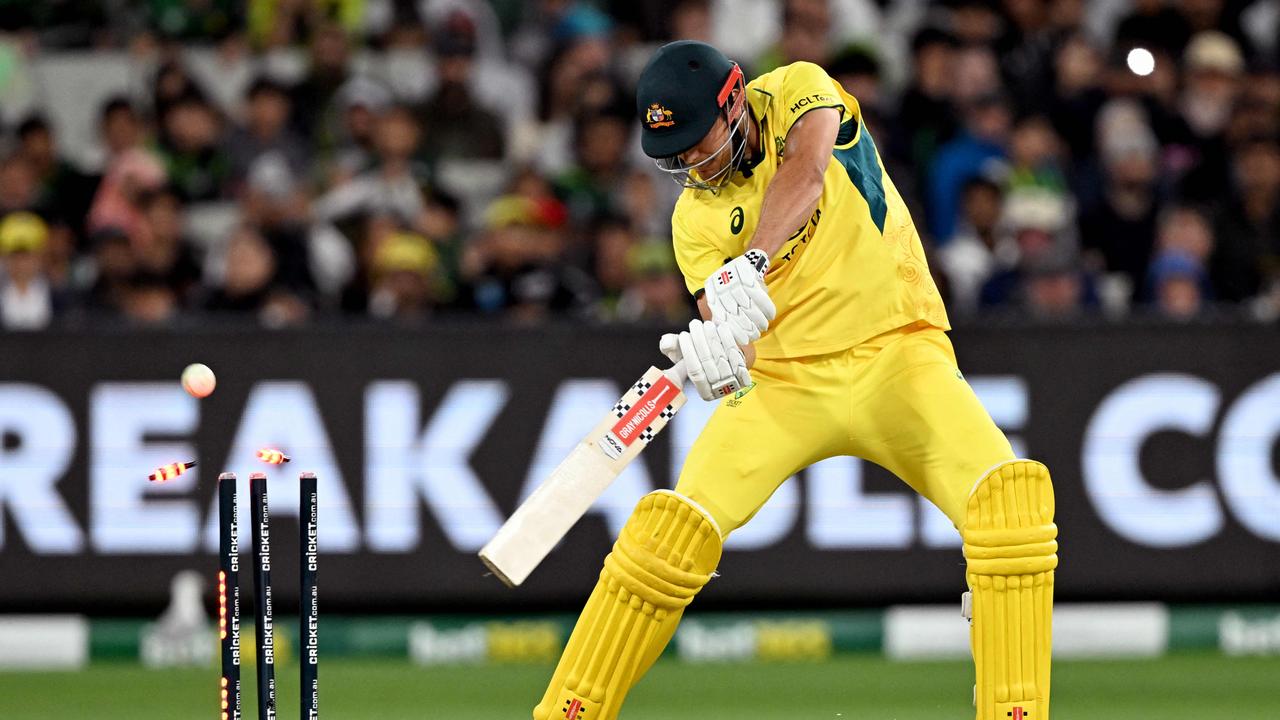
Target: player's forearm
(789, 202)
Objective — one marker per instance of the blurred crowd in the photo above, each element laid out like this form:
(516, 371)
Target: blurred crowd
(166, 162)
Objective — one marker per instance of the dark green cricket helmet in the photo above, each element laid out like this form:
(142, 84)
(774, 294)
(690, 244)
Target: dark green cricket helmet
(681, 92)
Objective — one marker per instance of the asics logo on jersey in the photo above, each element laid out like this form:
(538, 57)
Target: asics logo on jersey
(736, 219)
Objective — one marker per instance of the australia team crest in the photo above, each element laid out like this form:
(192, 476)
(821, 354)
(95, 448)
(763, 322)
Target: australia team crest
(658, 116)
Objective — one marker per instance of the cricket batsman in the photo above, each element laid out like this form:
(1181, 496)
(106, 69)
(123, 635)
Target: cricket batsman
(820, 319)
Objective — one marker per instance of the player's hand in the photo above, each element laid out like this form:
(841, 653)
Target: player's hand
(711, 355)
(737, 296)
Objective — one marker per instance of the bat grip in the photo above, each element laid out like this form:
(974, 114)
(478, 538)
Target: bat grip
(677, 374)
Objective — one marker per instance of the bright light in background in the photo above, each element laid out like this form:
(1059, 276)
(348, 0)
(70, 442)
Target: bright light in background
(1141, 61)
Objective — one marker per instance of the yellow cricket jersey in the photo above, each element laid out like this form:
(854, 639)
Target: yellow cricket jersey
(855, 270)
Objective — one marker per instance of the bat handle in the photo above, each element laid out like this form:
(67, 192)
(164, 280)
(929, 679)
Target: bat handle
(677, 374)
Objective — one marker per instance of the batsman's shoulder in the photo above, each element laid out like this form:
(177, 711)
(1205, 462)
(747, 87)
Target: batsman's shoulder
(688, 212)
(693, 218)
(802, 70)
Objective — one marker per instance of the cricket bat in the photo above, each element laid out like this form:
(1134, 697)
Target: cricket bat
(562, 499)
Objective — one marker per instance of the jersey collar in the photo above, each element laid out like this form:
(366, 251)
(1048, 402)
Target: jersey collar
(759, 107)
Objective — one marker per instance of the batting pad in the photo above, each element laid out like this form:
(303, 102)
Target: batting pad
(664, 555)
(1011, 548)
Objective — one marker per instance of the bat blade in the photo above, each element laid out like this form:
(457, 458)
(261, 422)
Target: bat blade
(560, 501)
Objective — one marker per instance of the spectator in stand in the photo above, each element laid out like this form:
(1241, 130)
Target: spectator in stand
(114, 265)
(407, 66)
(974, 74)
(926, 114)
(370, 232)
(193, 151)
(120, 127)
(1014, 98)
(976, 22)
(1121, 228)
(599, 92)
(266, 130)
(1246, 260)
(546, 23)
(407, 278)
(160, 249)
(1217, 16)
(64, 193)
(1027, 52)
(858, 71)
(1186, 231)
(648, 21)
(27, 300)
(19, 186)
(1045, 280)
(1035, 156)
(227, 74)
(656, 291)
(391, 195)
(361, 102)
(172, 84)
(441, 222)
(1078, 96)
(1066, 19)
(643, 203)
(975, 254)
(361, 236)
(1262, 89)
(1253, 116)
(612, 241)
(314, 109)
(21, 189)
(531, 184)
(456, 125)
(806, 33)
(1214, 71)
(575, 73)
(249, 268)
(690, 20)
(248, 284)
(589, 188)
(129, 175)
(276, 205)
(513, 267)
(149, 300)
(1178, 282)
(979, 149)
(1053, 287)
(394, 187)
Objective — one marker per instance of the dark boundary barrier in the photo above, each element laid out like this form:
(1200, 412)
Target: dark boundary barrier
(1162, 441)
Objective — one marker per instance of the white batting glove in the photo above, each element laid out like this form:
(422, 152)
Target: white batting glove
(711, 356)
(737, 296)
